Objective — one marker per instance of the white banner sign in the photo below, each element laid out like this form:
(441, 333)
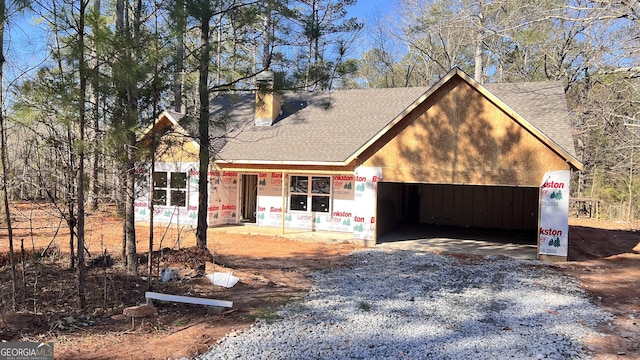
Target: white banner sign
(365, 198)
(553, 236)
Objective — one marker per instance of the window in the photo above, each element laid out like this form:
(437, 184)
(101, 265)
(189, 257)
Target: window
(170, 188)
(318, 195)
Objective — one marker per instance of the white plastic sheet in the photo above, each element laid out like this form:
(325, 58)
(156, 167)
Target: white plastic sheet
(225, 279)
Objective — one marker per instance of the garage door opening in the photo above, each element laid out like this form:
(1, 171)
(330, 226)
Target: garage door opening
(493, 209)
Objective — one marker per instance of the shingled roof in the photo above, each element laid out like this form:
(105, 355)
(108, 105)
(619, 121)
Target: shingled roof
(541, 103)
(318, 127)
(330, 128)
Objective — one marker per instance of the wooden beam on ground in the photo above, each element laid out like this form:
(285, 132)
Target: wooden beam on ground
(187, 299)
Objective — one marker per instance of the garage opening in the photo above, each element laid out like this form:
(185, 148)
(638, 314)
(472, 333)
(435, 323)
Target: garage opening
(468, 206)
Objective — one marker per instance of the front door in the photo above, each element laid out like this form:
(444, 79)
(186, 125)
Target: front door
(248, 197)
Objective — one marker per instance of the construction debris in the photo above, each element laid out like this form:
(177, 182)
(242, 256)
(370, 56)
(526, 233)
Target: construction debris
(186, 299)
(225, 279)
(142, 311)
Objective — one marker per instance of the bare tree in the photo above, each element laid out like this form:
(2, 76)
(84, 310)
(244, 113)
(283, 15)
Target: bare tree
(82, 73)
(3, 158)
(326, 35)
(481, 37)
(203, 13)
(96, 97)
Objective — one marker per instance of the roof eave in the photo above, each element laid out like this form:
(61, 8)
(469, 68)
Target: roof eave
(281, 162)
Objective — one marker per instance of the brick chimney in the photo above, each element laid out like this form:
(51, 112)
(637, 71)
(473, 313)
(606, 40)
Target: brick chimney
(267, 103)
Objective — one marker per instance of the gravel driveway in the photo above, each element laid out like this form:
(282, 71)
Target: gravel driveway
(401, 304)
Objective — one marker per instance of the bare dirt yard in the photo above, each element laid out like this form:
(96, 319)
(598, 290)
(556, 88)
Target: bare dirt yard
(604, 256)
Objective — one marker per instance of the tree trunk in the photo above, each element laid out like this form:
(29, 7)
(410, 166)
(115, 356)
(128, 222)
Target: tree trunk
(71, 217)
(3, 158)
(95, 94)
(310, 50)
(203, 132)
(156, 111)
(178, 76)
(630, 208)
(120, 14)
(121, 200)
(478, 59)
(132, 254)
(124, 240)
(219, 49)
(151, 210)
(81, 155)
(266, 46)
(131, 146)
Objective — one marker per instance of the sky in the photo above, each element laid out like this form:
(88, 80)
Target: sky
(369, 11)
(366, 7)
(25, 46)
(26, 41)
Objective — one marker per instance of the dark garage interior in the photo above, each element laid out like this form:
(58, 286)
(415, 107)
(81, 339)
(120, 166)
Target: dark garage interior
(487, 210)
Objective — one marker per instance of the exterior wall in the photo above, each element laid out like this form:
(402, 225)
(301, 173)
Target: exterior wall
(187, 215)
(353, 202)
(173, 146)
(223, 197)
(457, 136)
(270, 205)
(174, 153)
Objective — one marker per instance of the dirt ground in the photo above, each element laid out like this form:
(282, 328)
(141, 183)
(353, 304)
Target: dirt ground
(604, 256)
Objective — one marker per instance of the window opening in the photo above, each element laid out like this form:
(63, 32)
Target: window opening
(170, 188)
(318, 195)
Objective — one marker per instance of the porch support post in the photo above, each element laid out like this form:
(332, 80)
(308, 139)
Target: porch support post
(284, 194)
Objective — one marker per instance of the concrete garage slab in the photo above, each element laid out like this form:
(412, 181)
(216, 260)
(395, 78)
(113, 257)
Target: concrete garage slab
(472, 241)
(441, 239)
